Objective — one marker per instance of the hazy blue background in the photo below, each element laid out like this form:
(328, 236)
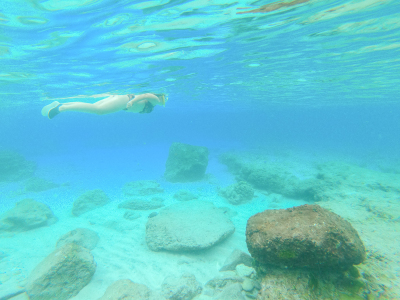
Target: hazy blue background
(319, 76)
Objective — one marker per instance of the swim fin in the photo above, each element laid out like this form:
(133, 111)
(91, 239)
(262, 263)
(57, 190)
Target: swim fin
(51, 110)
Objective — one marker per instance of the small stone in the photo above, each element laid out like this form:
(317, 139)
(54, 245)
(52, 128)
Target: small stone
(237, 257)
(153, 214)
(244, 271)
(131, 215)
(247, 285)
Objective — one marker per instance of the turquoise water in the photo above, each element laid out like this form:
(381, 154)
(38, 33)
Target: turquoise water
(295, 82)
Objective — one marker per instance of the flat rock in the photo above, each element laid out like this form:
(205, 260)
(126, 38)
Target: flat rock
(142, 188)
(36, 184)
(190, 225)
(81, 236)
(26, 215)
(62, 274)
(306, 236)
(138, 204)
(88, 201)
(183, 195)
(131, 215)
(186, 163)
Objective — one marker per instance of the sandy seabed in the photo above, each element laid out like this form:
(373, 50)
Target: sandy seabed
(122, 252)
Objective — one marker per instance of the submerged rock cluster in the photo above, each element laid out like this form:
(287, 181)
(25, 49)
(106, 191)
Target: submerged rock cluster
(303, 252)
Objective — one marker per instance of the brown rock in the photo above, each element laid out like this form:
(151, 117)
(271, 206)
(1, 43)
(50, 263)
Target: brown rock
(306, 236)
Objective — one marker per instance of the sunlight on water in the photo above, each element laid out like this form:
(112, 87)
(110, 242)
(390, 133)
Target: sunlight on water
(306, 42)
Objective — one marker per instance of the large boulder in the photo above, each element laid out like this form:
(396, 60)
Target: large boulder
(306, 236)
(88, 201)
(190, 225)
(27, 214)
(62, 274)
(186, 163)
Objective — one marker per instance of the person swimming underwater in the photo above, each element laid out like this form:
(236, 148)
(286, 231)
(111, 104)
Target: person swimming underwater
(143, 103)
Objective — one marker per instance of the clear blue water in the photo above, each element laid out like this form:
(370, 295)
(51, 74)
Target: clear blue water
(310, 77)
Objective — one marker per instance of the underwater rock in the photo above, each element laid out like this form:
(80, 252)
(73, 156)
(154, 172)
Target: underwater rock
(231, 292)
(81, 236)
(306, 236)
(245, 271)
(223, 279)
(186, 163)
(62, 274)
(131, 215)
(153, 214)
(307, 284)
(26, 215)
(186, 287)
(238, 193)
(88, 201)
(275, 178)
(142, 188)
(237, 257)
(183, 195)
(229, 285)
(138, 204)
(126, 289)
(248, 285)
(14, 167)
(36, 184)
(190, 225)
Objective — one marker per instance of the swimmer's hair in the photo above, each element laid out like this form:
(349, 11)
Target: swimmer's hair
(148, 108)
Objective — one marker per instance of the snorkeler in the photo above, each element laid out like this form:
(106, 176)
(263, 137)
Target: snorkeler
(143, 103)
